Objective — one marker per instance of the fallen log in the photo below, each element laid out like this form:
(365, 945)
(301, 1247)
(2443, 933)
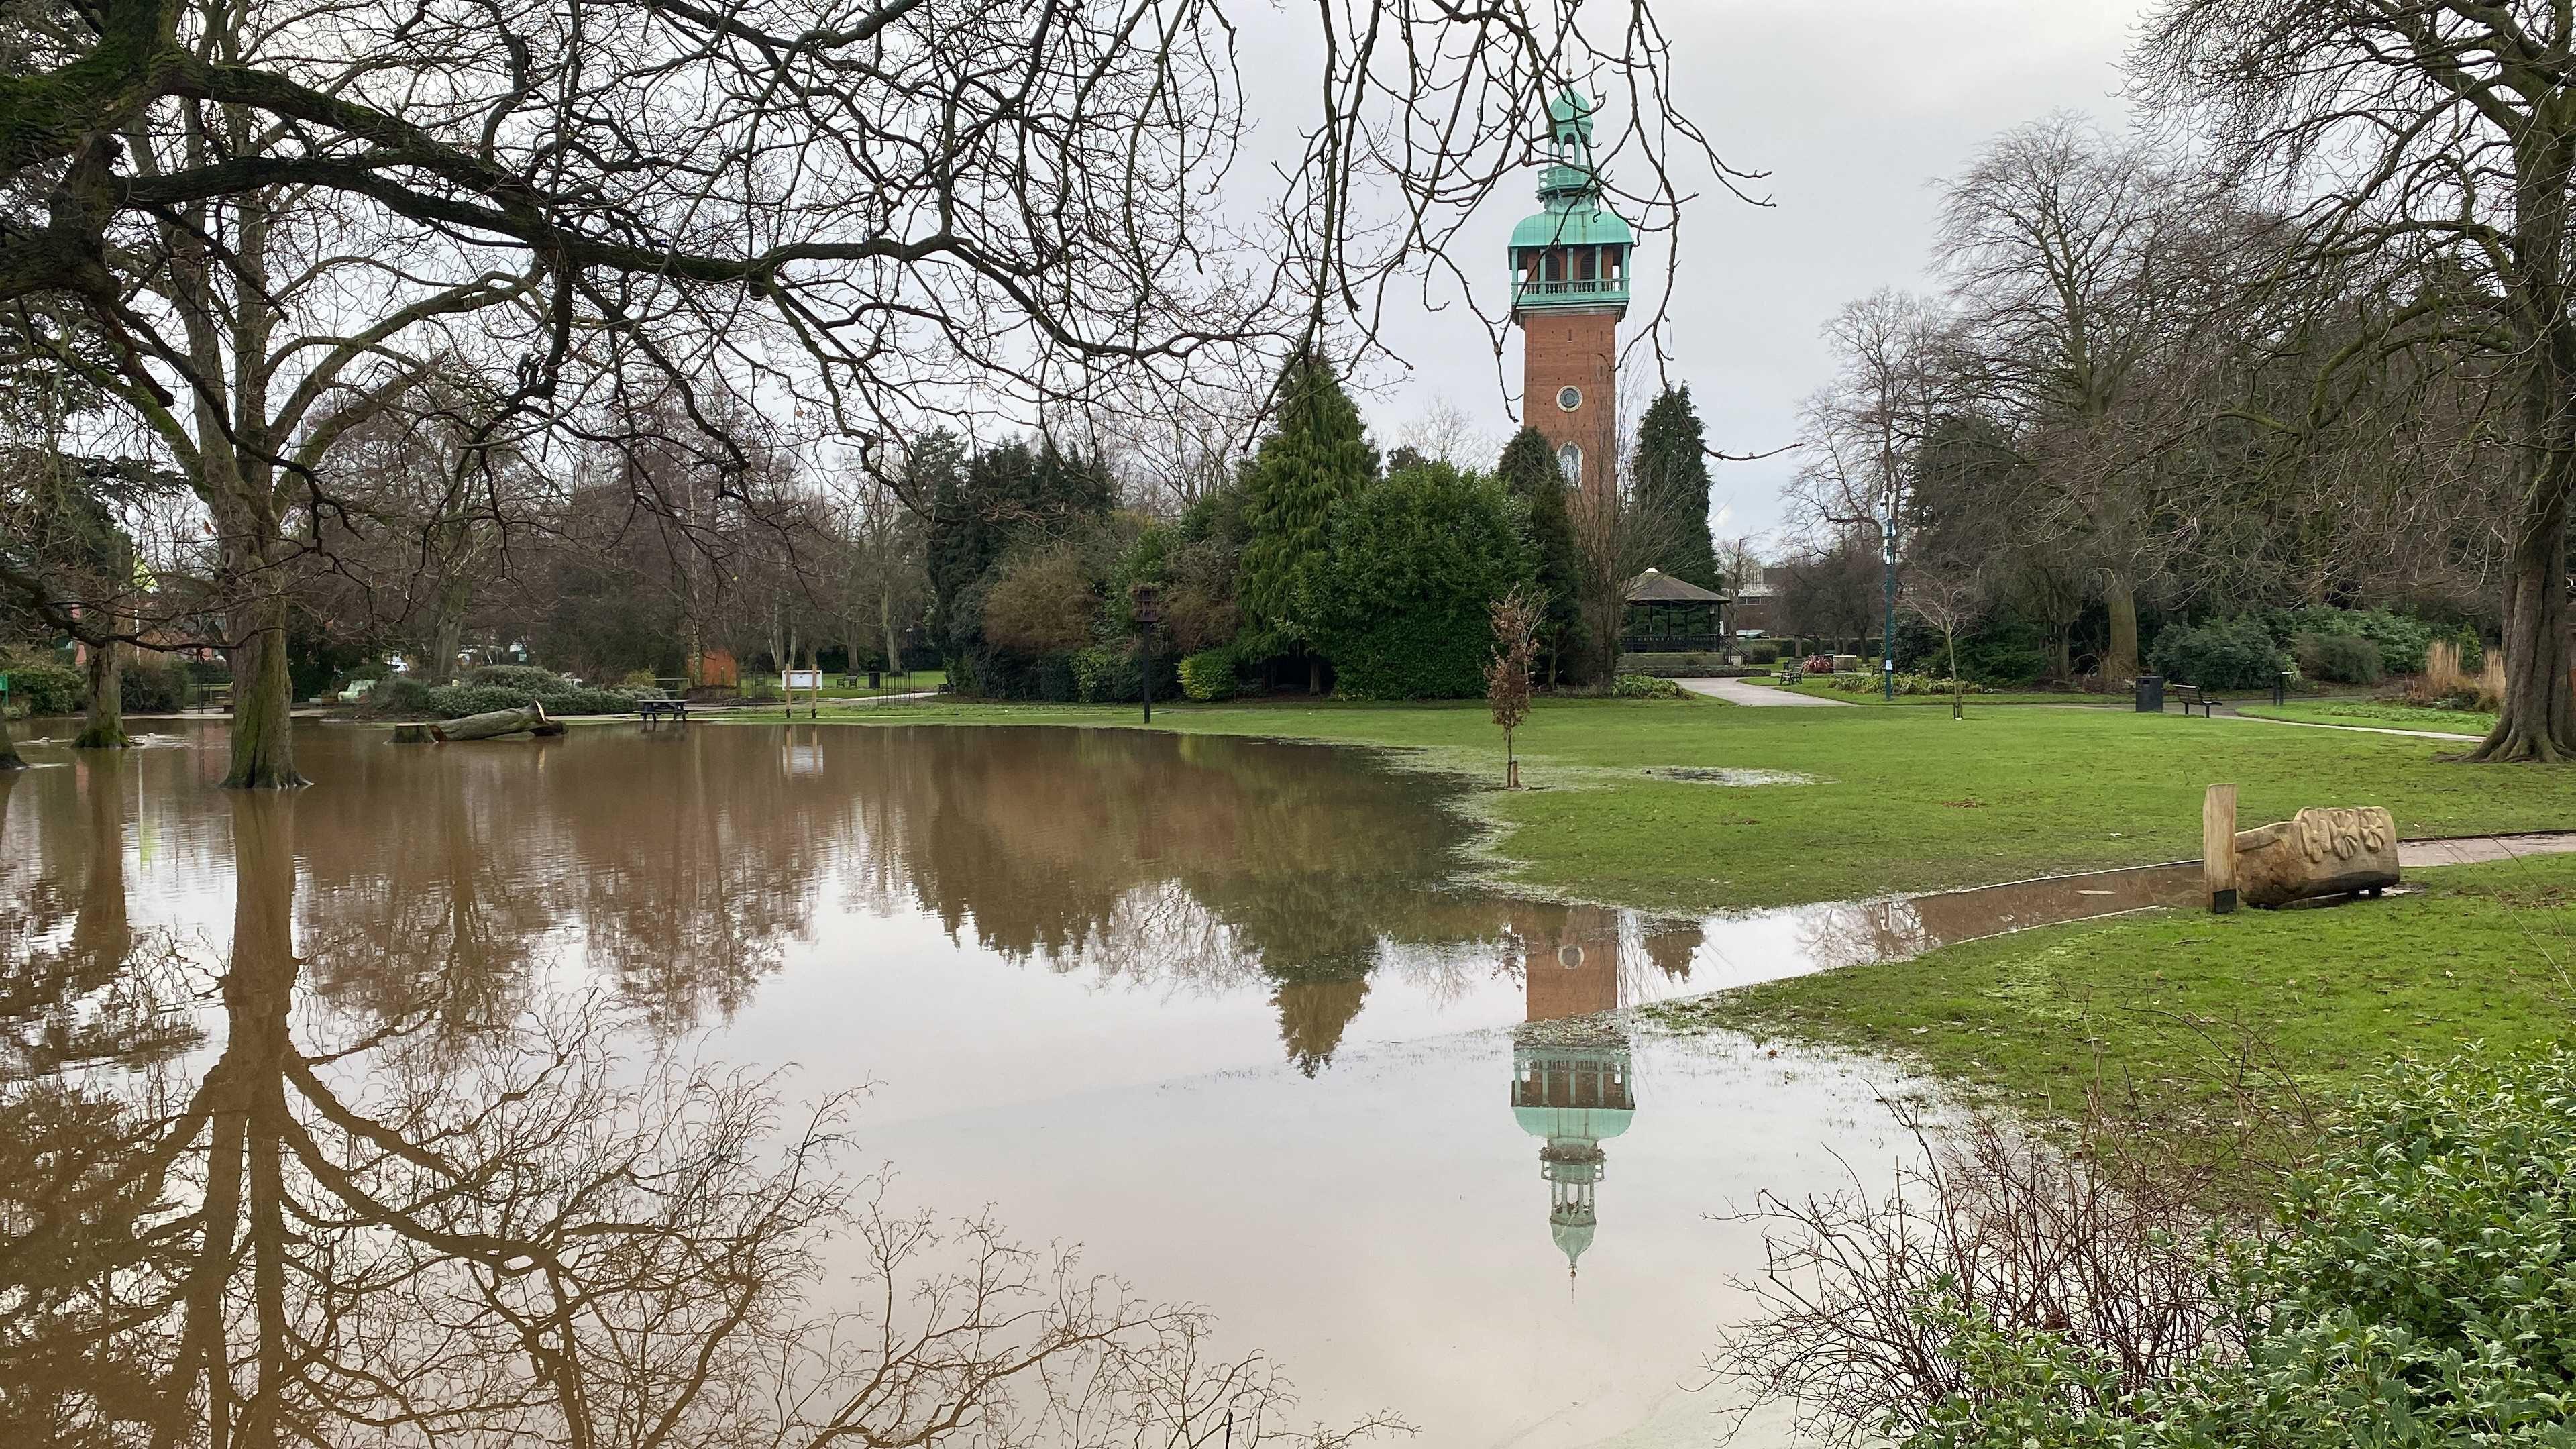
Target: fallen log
(2317, 853)
(527, 719)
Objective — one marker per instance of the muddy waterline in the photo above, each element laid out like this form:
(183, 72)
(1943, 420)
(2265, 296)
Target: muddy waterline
(1223, 1011)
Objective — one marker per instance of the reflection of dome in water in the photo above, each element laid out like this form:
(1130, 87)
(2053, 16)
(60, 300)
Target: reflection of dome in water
(1575, 1097)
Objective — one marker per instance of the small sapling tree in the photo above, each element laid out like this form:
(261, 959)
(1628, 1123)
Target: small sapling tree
(1516, 616)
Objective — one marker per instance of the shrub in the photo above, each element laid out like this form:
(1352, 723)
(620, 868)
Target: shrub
(1761, 651)
(403, 694)
(2400, 639)
(2419, 1289)
(41, 686)
(1042, 604)
(516, 676)
(1108, 674)
(1399, 604)
(1855, 682)
(1645, 686)
(457, 700)
(2005, 656)
(2473, 652)
(1210, 674)
(2343, 658)
(2233, 653)
(638, 680)
(153, 686)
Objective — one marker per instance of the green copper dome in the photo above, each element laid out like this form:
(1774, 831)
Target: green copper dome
(1573, 227)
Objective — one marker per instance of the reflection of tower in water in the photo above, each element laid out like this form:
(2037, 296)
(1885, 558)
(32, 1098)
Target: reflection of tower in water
(1573, 1086)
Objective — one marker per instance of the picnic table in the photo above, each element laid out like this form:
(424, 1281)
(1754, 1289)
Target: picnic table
(658, 706)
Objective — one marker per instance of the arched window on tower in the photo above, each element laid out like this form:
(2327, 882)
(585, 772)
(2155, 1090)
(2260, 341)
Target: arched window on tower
(1569, 461)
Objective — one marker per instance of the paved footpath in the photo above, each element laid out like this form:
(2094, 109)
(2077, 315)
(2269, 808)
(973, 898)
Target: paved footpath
(1761, 696)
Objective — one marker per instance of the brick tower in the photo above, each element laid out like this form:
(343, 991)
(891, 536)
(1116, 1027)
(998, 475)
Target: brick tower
(1569, 290)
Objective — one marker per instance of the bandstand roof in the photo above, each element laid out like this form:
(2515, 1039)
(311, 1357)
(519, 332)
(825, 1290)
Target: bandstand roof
(1657, 587)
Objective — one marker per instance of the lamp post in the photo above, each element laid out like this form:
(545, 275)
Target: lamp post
(1147, 600)
(1887, 632)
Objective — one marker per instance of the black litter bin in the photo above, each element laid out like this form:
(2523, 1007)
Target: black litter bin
(2151, 694)
(876, 678)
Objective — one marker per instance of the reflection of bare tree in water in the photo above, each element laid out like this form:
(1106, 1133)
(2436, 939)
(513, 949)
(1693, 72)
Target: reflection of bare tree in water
(330, 1229)
(1854, 933)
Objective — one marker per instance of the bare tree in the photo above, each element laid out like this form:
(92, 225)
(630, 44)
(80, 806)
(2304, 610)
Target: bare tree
(1948, 599)
(2435, 141)
(1516, 617)
(886, 210)
(2066, 254)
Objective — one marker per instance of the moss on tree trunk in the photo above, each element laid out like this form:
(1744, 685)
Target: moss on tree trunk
(104, 725)
(263, 693)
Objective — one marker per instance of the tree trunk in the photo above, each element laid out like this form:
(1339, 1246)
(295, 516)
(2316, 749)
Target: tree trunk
(263, 699)
(2120, 662)
(446, 641)
(2538, 721)
(885, 626)
(1314, 674)
(9, 759)
(105, 726)
(2538, 718)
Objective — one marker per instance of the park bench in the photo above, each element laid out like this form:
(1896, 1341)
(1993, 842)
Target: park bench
(656, 706)
(2191, 694)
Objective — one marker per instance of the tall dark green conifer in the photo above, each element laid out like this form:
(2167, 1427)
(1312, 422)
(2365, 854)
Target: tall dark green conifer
(1316, 456)
(1671, 473)
(1528, 469)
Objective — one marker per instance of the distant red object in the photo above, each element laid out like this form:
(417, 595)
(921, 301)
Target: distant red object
(1820, 664)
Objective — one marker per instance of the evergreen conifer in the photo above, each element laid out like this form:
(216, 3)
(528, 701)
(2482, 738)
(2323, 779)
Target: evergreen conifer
(1316, 457)
(1671, 472)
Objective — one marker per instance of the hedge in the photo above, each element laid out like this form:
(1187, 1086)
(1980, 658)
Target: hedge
(39, 687)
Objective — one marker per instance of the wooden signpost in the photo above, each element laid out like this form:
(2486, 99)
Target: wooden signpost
(2218, 846)
(808, 680)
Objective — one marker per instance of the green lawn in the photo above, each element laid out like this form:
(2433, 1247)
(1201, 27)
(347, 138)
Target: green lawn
(919, 681)
(2376, 714)
(1902, 799)
(2158, 1001)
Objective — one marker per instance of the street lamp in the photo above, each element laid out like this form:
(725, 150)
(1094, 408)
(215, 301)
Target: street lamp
(1887, 632)
(1148, 602)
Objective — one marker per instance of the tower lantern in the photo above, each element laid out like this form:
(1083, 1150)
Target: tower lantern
(1570, 266)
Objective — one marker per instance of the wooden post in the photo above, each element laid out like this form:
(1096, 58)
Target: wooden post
(2218, 846)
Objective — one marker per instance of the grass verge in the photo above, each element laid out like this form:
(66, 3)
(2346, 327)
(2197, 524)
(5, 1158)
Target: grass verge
(1901, 799)
(2376, 714)
(2163, 1002)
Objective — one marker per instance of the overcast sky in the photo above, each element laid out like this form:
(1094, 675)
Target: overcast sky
(1854, 107)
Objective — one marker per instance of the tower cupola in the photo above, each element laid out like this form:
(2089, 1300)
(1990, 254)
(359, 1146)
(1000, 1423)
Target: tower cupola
(1575, 251)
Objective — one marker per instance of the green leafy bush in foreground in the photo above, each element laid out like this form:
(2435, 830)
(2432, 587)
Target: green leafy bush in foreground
(1645, 686)
(2420, 1290)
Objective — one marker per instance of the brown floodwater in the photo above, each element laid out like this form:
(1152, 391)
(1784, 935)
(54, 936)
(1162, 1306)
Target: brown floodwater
(1228, 1014)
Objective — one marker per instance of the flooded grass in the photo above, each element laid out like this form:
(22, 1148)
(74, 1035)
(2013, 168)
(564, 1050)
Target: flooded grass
(1904, 800)
(2159, 1003)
